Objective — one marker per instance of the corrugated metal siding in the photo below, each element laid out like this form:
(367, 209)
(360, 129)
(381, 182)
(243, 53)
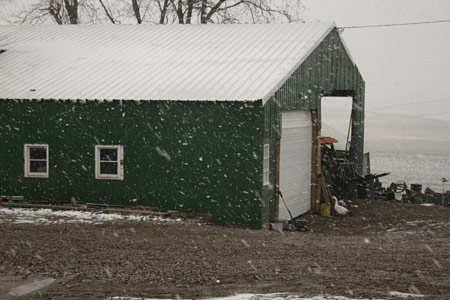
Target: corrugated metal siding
(197, 156)
(357, 149)
(327, 69)
(176, 62)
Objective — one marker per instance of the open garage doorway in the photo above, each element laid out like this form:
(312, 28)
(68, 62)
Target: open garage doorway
(335, 115)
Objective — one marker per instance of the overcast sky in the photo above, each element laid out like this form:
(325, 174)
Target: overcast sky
(406, 68)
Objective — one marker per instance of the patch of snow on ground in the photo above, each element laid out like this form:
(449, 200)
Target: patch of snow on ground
(418, 227)
(30, 287)
(47, 216)
(257, 297)
(405, 295)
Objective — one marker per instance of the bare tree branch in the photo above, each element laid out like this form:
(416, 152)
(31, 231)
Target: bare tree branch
(190, 9)
(163, 10)
(214, 9)
(231, 6)
(180, 12)
(54, 9)
(108, 14)
(159, 11)
(203, 12)
(72, 10)
(136, 11)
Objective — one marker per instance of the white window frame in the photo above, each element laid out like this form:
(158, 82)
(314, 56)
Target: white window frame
(119, 175)
(27, 160)
(266, 165)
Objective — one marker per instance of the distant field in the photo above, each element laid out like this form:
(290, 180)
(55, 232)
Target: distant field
(422, 168)
(413, 149)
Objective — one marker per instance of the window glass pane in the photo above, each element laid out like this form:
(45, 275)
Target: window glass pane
(38, 166)
(38, 153)
(108, 168)
(108, 154)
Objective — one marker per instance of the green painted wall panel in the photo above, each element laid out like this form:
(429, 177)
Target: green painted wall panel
(196, 156)
(272, 132)
(328, 70)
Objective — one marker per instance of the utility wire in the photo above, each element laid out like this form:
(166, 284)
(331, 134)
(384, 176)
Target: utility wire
(341, 29)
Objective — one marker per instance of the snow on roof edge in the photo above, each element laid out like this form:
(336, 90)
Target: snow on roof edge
(267, 87)
(135, 100)
(296, 66)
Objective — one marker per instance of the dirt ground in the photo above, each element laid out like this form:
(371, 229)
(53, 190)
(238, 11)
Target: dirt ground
(381, 248)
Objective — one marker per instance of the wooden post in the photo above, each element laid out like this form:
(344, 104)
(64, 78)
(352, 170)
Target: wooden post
(315, 162)
(277, 178)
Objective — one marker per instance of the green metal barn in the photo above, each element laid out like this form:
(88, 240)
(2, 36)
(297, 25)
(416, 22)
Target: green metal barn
(198, 118)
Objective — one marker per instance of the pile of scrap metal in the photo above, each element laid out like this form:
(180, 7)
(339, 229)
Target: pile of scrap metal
(377, 191)
(340, 174)
(400, 191)
(415, 195)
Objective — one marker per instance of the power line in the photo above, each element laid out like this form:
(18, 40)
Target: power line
(341, 29)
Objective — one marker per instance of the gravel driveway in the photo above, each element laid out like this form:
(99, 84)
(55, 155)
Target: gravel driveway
(385, 250)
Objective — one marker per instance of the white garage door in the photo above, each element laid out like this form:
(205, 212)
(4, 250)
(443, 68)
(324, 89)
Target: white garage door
(295, 163)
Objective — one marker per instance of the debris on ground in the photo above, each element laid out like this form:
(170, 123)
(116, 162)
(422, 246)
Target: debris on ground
(293, 224)
(339, 178)
(400, 191)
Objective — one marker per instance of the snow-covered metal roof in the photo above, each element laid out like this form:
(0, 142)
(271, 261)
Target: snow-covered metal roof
(241, 62)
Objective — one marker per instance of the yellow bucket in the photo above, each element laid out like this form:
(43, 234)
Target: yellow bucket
(325, 210)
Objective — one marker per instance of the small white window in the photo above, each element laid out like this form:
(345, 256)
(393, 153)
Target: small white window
(109, 162)
(266, 165)
(36, 160)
